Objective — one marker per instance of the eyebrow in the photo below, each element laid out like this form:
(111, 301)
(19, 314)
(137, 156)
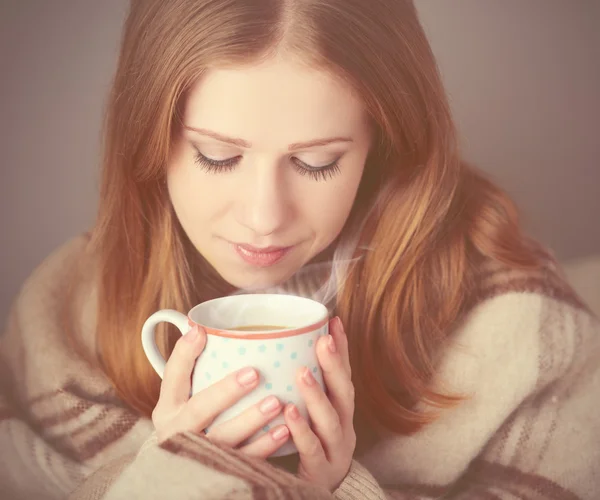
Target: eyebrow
(245, 144)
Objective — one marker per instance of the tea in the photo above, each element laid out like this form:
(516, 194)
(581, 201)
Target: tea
(257, 328)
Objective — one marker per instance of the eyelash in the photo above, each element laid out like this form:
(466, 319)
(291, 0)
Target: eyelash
(220, 166)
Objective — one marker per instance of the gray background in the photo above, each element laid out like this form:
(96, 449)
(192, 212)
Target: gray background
(523, 77)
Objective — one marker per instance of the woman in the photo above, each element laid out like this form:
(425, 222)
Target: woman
(306, 145)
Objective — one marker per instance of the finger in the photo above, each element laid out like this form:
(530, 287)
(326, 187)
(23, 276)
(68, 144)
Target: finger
(341, 341)
(207, 404)
(326, 422)
(177, 379)
(310, 449)
(268, 443)
(340, 389)
(246, 424)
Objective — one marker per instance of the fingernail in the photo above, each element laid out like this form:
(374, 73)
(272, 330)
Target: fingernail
(280, 433)
(293, 412)
(340, 325)
(247, 376)
(308, 378)
(269, 404)
(331, 345)
(192, 335)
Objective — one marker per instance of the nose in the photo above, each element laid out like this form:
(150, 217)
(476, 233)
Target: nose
(263, 202)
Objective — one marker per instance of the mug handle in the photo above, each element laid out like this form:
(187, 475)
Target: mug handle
(149, 340)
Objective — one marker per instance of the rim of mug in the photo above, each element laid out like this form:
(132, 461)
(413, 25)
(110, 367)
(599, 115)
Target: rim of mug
(260, 334)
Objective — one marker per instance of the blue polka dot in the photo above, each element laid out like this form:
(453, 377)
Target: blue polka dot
(289, 388)
(266, 428)
(315, 369)
(294, 355)
(310, 342)
(242, 351)
(279, 347)
(207, 375)
(225, 364)
(262, 348)
(277, 364)
(268, 386)
(213, 354)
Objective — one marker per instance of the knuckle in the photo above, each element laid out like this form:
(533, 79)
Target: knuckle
(178, 364)
(182, 349)
(185, 350)
(313, 447)
(322, 343)
(256, 417)
(216, 437)
(260, 448)
(179, 347)
(226, 391)
(200, 411)
(334, 427)
(196, 407)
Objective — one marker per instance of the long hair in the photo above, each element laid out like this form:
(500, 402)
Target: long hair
(426, 218)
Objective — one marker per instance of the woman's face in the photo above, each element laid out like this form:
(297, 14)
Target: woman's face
(267, 168)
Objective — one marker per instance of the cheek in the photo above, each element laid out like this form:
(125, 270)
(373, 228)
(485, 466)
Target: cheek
(329, 210)
(193, 198)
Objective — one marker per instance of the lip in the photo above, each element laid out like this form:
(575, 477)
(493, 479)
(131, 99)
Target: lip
(254, 249)
(260, 256)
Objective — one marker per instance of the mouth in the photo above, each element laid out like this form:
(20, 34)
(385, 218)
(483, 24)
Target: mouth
(260, 256)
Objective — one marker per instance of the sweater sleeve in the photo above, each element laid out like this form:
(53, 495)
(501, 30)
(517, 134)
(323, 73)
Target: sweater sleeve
(31, 465)
(190, 466)
(359, 483)
(530, 365)
(186, 466)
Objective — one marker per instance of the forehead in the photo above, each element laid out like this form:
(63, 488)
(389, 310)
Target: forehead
(276, 101)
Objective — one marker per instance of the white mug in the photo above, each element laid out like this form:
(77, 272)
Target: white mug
(294, 326)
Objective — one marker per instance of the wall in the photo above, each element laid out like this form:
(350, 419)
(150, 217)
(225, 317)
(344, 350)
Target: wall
(524, 82)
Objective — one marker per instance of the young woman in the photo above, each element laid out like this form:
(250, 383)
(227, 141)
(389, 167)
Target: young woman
(305, 145)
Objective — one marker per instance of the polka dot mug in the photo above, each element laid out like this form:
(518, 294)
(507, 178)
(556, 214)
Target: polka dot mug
(274, 333)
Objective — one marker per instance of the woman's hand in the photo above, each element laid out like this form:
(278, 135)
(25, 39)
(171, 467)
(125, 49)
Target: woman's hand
(327, 448)
(177, 412)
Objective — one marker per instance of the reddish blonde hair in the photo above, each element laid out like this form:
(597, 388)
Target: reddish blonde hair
(426, 216)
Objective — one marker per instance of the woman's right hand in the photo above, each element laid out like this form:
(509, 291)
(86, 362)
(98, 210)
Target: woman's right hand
(177, 412)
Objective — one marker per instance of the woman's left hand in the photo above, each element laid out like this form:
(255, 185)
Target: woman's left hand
(326, 449)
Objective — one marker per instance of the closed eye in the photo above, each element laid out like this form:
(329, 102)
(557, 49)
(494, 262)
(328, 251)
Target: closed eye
(317, 173)
(220, 166)
(215, 166)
